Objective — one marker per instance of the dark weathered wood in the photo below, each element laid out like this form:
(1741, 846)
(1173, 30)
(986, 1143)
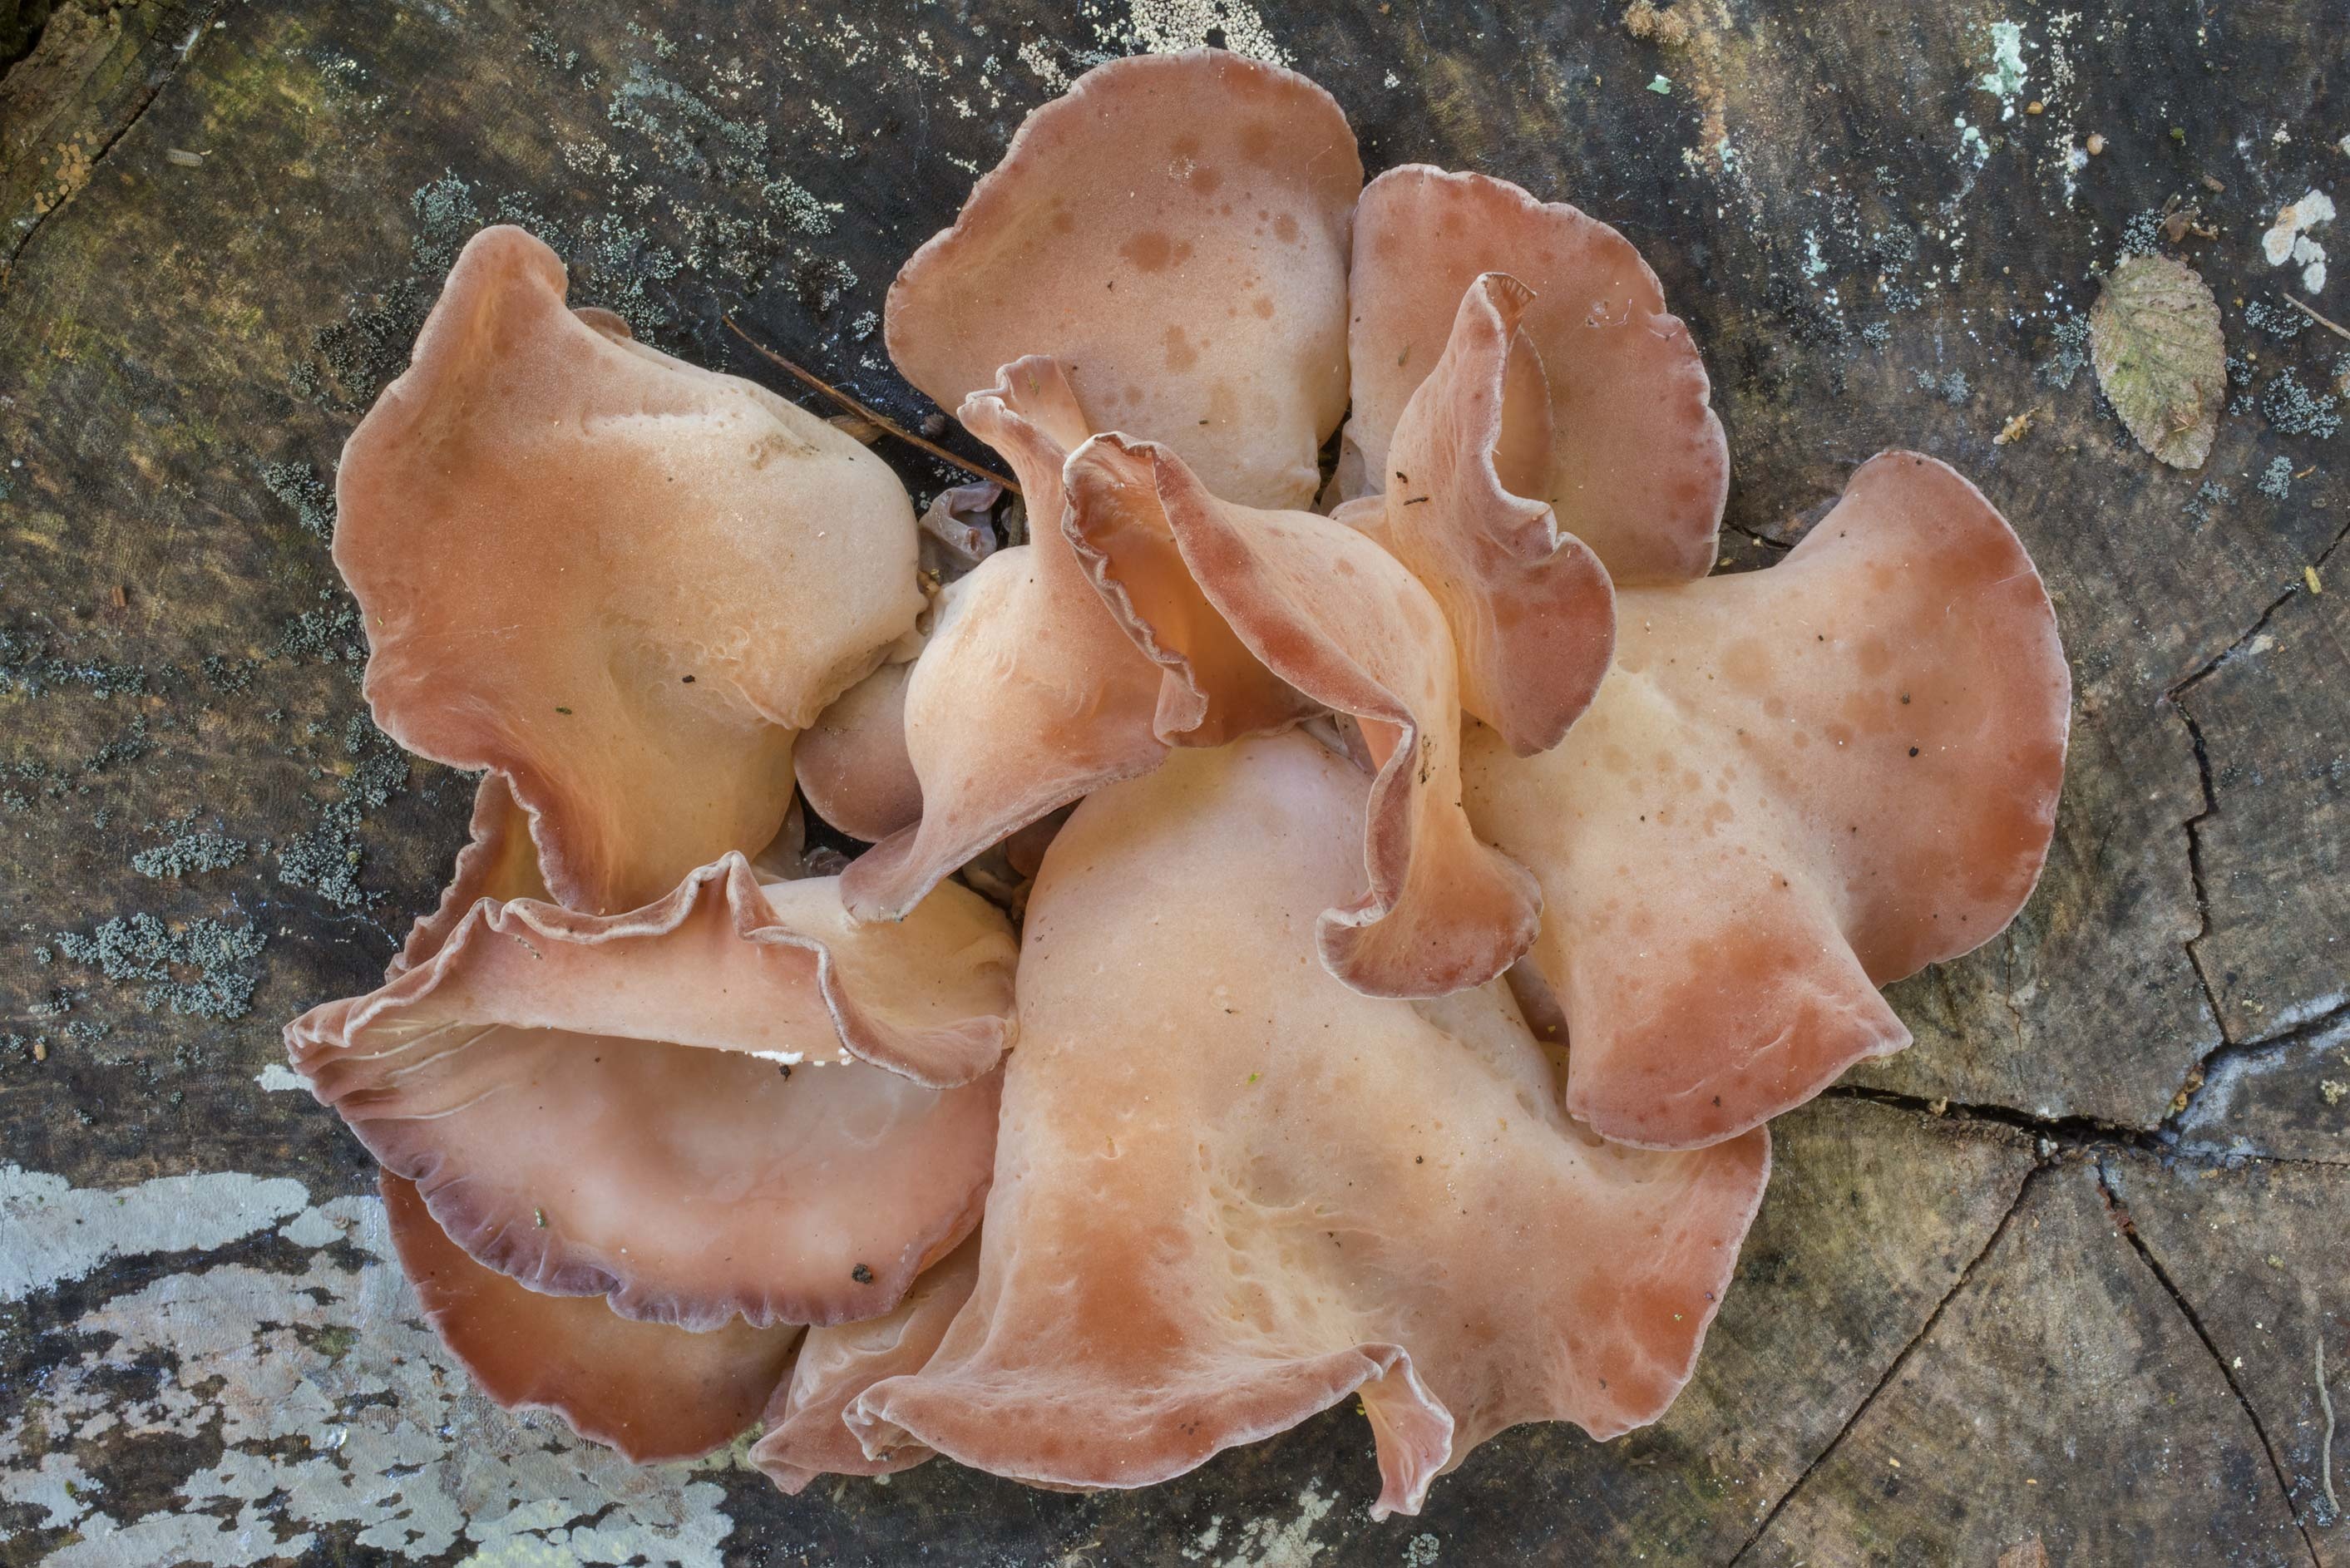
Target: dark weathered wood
(2275, 844)
(2061, 1398)
(184, 343)
(2255, 1252)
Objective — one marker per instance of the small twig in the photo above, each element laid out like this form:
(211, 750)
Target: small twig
(861, 412)
(2325, 1443)
(2333, 326)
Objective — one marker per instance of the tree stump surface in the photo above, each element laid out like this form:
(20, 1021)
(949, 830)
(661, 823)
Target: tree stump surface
(2050, 1288)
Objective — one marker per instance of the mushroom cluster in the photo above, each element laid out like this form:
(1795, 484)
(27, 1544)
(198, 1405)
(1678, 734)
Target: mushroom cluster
(1458, 877)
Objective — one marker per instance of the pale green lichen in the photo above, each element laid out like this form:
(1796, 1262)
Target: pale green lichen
(2005, 78)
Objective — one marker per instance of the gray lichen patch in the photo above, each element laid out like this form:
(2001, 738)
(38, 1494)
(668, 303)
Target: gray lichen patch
(261, 1415)
(327, 857)
(2296, 411)
(188, 852)
(311, 498)
(201, 968)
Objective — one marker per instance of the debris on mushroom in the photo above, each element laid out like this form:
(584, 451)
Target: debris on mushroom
(956, 532)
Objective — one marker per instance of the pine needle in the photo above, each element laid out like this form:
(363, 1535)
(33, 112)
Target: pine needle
(861, 412)
(2333, 326)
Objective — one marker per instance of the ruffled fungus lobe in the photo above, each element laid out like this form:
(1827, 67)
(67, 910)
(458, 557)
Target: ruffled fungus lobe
(1329, 613)
(498, 861)
(1231, 1192)
(1027, 694)
(1175, 229)
(1531, 611)
(1637, 468)
(652, 1391)
(806, 1437)
(619, 580)
(1795, 786)
(725, 1182)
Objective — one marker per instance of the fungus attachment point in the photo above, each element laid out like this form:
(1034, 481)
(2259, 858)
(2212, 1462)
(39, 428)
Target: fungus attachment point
(1027, 694)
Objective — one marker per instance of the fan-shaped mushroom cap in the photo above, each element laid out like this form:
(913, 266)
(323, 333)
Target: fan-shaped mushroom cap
(1028, 693)
(1175, 229)
(619, 580)
(852, 763)
(724, 1182)
(806, 1437)
(1637, 467)
(1230, 1190)
(1328, 612)
(1532, 610)
(1796, 785)
(652, 1391)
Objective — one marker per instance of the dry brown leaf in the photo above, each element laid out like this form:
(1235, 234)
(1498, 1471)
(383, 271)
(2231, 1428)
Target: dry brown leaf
(2154, 336)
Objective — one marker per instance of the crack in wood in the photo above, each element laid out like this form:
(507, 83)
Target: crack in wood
(2065, 1135)
(1965, 1276)
(159, 77)
(2128, 1228)
(2061, 1132)
(2174, 698)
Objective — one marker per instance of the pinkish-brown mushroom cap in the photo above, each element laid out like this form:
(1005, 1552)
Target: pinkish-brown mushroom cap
(619, 580)
(1796, 785)
(806, 1437)
(1231, 1192)
(1174, 228)
(653, 1391)
(1027, 693)
(499, 861)
(1637, 467)
(1532, 610)
(852, 763)
(717, 1051)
